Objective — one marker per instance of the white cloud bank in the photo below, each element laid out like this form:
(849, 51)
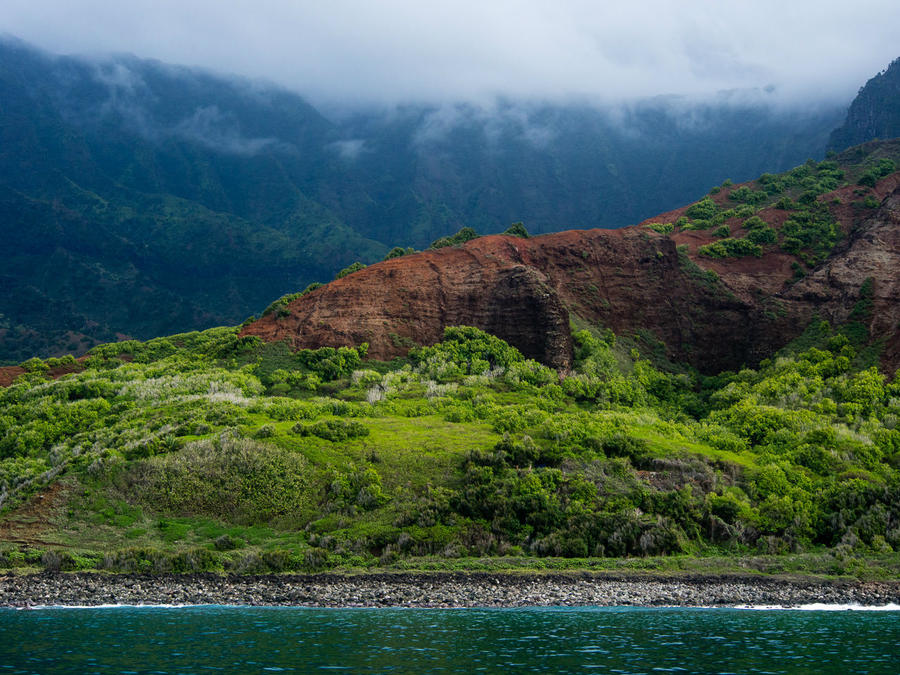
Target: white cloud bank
(413, 51)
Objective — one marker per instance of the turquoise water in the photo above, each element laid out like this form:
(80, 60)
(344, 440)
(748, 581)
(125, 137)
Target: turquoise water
(554, 640)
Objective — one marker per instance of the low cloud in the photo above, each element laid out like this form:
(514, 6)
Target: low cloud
(349, 149)
(565, 51)
(210, 127)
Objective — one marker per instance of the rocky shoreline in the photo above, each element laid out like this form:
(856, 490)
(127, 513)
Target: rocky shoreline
(436, 590)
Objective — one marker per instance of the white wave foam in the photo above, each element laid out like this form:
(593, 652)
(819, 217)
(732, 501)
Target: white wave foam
(823, 607)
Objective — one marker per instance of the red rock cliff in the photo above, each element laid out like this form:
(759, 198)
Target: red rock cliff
(714, 314)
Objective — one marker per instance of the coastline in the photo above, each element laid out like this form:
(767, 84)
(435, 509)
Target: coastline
(439, 590)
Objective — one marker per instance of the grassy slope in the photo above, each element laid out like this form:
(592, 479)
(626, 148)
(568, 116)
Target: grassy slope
(182, 457)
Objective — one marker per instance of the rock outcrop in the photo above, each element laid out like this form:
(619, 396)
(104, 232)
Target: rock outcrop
(871, 252)
(713, 314)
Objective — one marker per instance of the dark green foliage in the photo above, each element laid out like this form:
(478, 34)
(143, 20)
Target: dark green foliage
(812, 231)
(332, 430)
(723, 231)
(809, 181)
(762, 236)
(467, 350)
(244, 480)
(705, 209)
(868, 179)
(745, 195)
(662, 228)
(785, 204)
(862, 310)
(874, 113)
(517, 230)
(350, 269)
(461, 237)
(753, 222)
(731, 248)
(398, 252)
(707, 278)
(869, 202)
(330, 363)
(279, 307)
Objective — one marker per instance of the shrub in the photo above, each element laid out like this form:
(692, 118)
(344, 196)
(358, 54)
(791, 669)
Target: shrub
(35, 365)
(350, 269)
(746, 195)
(731, 248)
(662, 228)
(332, 429)
(330, 363)
(465, 350)
(461, 237)
(762, 236)
(753, 222)
(227, 477)
(517, 230)
(705, 209)
(398, 252)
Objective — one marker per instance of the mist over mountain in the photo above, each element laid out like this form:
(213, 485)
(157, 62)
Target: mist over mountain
(139, 198)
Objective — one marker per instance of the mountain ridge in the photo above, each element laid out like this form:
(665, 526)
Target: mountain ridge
(715, 313)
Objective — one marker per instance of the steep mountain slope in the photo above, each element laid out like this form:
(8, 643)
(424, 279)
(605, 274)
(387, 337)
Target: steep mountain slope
(724, 282)
(874, 113)
(132, 201)
(138, 198)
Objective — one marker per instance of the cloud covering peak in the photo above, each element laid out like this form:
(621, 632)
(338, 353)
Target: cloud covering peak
(405, 51)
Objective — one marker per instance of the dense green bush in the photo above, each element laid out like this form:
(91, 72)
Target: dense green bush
(731, 248)
(350, 269)
(399, 252)
(332, 430)
(662, 228)
(762, 236)
(517, 230)
(461, 237)
(705, 209)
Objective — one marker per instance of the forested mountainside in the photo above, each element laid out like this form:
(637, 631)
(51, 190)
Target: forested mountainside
(241, 450)
(139, 199)
(874, 113)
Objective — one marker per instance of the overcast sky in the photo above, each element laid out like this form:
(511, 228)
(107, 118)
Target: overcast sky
(393, 51)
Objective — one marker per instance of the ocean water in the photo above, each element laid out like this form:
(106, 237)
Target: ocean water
(546, 640)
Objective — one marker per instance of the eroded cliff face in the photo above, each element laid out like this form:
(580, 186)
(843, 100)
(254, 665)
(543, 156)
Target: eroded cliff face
(871, 251)
(524, 291)
(713, 314)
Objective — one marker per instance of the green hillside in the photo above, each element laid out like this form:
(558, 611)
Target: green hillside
(205, 451)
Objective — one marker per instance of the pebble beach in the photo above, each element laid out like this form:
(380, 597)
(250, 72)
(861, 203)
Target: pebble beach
(442, 590)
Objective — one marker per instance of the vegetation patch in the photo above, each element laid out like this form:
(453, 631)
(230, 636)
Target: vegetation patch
(731, 248)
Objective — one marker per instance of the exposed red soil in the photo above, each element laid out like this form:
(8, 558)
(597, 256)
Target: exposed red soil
(630, 280)
(28, 524)
(523, 290)
(8, 374)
